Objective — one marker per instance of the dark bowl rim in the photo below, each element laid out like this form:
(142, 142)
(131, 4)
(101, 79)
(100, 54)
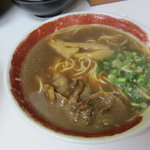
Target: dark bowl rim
(34, 1)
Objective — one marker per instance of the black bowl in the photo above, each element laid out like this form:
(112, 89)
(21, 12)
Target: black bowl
(44, 8)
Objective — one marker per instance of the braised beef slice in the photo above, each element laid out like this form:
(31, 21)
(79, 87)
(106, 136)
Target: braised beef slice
(74, 97)
(102, 100)
(61, 100)
(49, 93)
(61, 84)
(82, 107)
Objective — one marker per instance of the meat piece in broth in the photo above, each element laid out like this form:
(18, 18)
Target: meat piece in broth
(53, 96)
(102, 100)
(60, 83)
(49, 93)
(82, 113)
(107, 107)
(81, 106)
(61, 100)
(86, 89)
(74, 97)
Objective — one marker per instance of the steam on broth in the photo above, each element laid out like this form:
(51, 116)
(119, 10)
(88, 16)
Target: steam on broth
(87, 78)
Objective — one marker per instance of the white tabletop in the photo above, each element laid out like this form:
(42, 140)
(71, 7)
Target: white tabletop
(17, 134)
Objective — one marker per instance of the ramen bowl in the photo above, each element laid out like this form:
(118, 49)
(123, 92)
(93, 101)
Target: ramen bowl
(32, 110)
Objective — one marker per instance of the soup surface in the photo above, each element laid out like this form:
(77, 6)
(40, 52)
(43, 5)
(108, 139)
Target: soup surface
(87, 78)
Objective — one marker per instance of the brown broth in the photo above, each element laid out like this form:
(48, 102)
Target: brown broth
(38, 61)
